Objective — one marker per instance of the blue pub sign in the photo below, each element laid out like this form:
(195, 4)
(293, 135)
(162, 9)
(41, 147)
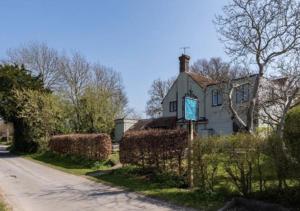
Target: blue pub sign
(191, 107)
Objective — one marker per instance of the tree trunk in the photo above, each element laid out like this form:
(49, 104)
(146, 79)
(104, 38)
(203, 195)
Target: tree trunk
(287, 106)
(252, 105)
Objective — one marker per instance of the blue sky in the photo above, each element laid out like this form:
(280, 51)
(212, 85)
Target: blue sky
(139, 38)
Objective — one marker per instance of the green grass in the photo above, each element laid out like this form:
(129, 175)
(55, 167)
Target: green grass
(165, 187)
(162, 186)
(5, 142)
(72, 164)
(3, 205)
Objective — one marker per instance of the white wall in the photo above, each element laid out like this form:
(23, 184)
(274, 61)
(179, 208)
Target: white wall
(219, 117)
(180, 88)
(171, 96)
(121, 126)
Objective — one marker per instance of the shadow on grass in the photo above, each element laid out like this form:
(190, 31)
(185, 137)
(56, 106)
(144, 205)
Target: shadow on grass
(132, 179)
(67, 161)
(290, 197)
(161, 187)
(72, 164)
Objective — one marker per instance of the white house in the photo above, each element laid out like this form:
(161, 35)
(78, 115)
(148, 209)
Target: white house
(214, 116)
(6, 129)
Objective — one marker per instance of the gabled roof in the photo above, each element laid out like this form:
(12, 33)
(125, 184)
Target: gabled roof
(201, 80)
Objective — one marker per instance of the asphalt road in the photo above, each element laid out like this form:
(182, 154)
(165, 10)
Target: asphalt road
(29, 186)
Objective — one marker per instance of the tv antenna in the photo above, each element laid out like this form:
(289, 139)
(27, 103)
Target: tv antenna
(184, 49)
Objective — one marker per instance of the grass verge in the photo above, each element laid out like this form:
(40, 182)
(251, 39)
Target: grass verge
(162, 186)
(3, 204)
(72, 164)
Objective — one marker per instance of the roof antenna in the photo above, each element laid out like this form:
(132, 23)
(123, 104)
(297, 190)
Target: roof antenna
(184, 49)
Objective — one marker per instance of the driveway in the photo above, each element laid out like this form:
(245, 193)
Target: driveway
(29, 186)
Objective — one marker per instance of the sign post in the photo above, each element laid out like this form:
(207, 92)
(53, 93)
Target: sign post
(190, 114)
(190, 154)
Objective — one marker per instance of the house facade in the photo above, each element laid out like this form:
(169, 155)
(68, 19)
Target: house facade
(213, 117)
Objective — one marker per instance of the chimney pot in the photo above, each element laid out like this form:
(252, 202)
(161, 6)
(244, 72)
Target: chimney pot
(184, 63)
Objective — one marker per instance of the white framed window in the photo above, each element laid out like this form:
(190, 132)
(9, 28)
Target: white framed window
(173, 106)
(217, 99)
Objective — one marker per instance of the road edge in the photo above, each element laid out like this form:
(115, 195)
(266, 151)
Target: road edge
(96, 180)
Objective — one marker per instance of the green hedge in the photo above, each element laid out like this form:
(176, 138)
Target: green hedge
(238, 161)
(292, 132)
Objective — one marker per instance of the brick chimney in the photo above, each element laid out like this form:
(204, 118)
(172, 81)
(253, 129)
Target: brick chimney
(184, 63)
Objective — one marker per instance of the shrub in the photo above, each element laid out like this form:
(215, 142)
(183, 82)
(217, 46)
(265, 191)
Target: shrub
(90, 146)
(244, 154)
(207, 161)
(238, 158)
(292, 132)
(42, 114)
(160, 149)
(280, 159)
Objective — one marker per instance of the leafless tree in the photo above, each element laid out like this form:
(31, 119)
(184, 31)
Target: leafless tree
(75, 73)
(108, 80)
(40, 59)
(157, 92)
(217, 69)
(131, 113)
(280, 94)
(261, 32)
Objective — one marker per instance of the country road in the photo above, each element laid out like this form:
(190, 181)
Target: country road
(29, 186)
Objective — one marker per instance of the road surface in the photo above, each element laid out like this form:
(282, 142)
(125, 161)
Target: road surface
(29, 186)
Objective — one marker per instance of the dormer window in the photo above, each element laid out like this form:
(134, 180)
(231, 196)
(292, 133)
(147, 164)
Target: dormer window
(242, 93)
(173, 106)
(216, 97)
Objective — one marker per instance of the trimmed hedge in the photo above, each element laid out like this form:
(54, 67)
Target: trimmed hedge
(90, 146)
(156, 148)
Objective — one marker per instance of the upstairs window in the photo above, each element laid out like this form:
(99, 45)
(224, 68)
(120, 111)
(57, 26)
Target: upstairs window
(216, 97)
(242, 93)
(173, 106)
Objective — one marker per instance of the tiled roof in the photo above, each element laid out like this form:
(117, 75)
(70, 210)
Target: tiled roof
(162, 122)
(201, 80)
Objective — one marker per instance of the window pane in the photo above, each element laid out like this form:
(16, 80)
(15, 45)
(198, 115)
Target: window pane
(246, 92)
(214, 97)
(173, 106)
(220, 98)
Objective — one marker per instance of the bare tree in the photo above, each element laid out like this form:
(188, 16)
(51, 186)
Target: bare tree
(280, 94)
(261, 32)
(40, 59)
(108, 80)
(157, 92)
(216, 69)
(75, 72)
